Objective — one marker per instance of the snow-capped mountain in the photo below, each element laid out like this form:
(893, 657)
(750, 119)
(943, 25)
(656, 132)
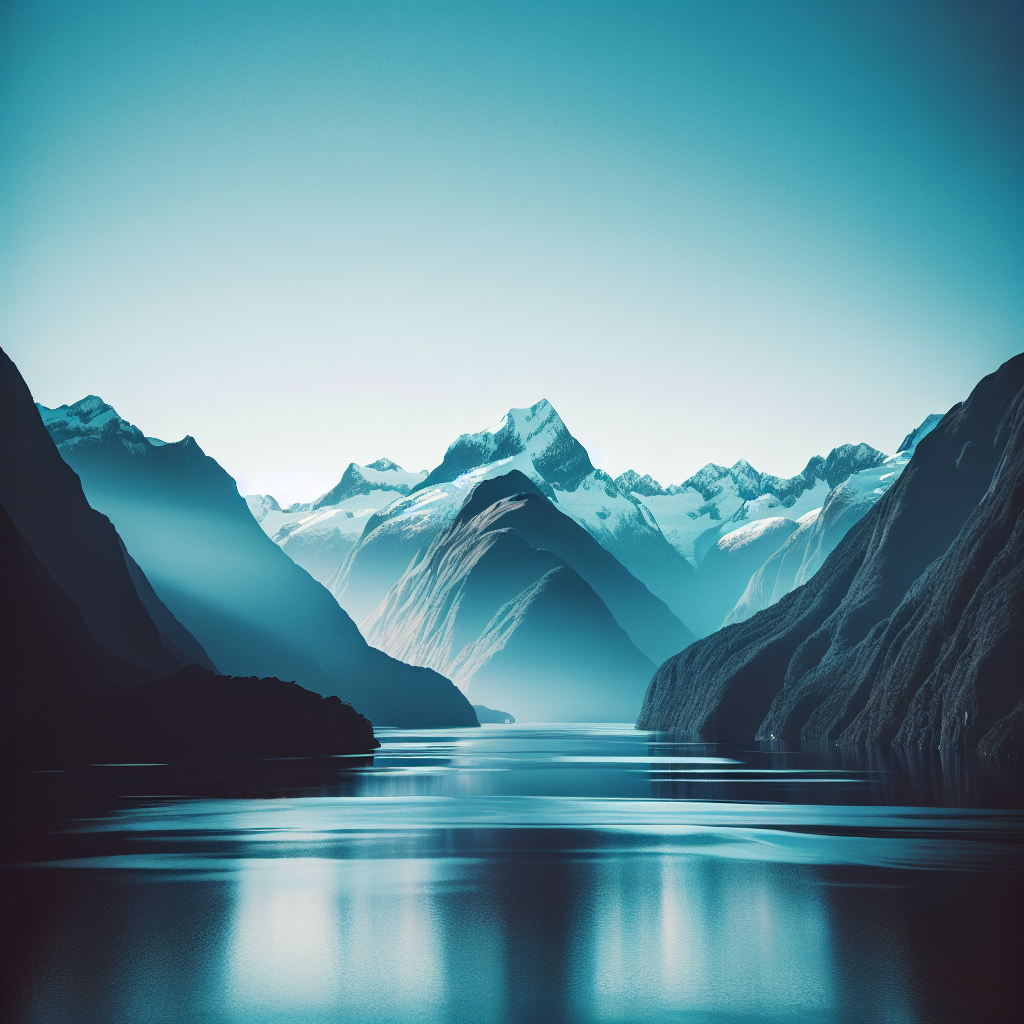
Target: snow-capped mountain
(820, 530)
(521, 607)
(248, 604)
(319, 534)
(537, 443)
(716, 500)
(909, 634)
(103, 594)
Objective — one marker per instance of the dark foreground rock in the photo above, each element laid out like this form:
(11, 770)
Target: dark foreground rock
(69, 700)
(910, 633)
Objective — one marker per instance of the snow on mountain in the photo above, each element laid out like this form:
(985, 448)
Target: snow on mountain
(911, 441)
(728, 566)
(633, 483)
(716, 500)
(380, 476)
(537, 443)
(90, 417)
(517, 601)
(821, 530)
(747, 535)
(253, 609)
(318, 535)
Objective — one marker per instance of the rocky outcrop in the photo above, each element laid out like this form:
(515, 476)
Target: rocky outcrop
(910, 631)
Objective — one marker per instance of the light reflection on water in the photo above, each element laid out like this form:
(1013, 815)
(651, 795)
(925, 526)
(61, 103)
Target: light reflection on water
(529, 874)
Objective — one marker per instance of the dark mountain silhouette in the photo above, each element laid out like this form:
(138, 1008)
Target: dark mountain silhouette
(555, 654)
(910, 632)
(645, 618)
(517, 601)
(78, 546)
(65, 700)
(251, 607)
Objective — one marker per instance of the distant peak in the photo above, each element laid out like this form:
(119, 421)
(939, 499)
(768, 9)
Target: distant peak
(911, 441)
(536, 432)
(83, 412)
(632, 482)
(384, 466)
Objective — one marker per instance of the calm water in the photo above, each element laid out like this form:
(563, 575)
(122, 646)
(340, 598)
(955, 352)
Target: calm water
(521, 874)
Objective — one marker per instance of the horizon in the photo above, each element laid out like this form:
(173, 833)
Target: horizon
(311, 234)
(294, 498)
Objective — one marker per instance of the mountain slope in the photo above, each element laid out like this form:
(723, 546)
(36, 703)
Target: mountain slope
(555, 654)
(252, 608)
(61, 707)
(910, 631)
(511, 577)
(821, 530)
(537, 443)
(78, 546)
(728, 566)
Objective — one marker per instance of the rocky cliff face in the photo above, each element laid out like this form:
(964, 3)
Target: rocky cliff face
(911, 630)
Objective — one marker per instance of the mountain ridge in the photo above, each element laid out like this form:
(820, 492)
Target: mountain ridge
(909, 632)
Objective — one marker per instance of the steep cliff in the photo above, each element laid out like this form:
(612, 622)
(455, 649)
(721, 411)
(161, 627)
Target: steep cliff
(911, 630)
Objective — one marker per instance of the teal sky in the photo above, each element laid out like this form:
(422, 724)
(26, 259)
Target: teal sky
(315, 233)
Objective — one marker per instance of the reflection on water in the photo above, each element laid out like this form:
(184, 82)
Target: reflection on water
(520, 874)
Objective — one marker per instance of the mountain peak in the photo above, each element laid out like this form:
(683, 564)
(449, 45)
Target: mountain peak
(911, 441)
(90, 413)
(89, 420)
(536, 432)
(382, 475)
(632, 482)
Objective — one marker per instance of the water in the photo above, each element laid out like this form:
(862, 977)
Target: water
(521, 874)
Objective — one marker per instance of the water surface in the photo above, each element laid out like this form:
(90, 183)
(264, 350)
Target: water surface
(517, 873)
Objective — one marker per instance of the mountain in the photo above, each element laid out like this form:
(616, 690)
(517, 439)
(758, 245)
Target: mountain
(63, 703)
(820, 530)
(380, 476)
(78, 548)
(726, 569)
(513, 585)
(716, 500)
(318, 535)
(709, 518)
(910, 631)
(537, 443)
(251, 607)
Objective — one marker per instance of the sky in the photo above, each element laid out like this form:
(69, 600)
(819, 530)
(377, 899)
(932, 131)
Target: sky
(311, 233)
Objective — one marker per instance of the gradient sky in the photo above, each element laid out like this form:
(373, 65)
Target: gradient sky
(315, 233)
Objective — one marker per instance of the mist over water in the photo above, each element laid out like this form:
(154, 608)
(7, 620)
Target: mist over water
(514, 873)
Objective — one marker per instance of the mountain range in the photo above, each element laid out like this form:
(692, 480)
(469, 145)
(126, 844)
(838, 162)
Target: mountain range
(515, 574)
(253, 609)
(521, 606)
(361, 536)
(910, 631)
(93, 665)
